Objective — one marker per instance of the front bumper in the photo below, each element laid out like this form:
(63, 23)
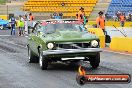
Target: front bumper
(71, 52)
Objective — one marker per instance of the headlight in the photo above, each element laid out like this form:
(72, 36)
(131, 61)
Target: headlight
(50, 45)
(94, 43)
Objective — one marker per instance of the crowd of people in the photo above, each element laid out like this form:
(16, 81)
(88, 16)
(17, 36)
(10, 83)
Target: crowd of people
(26, 20)
(100, 21)
(127, 16)
(116, 16)
(56, 15)
(120, 16)
(22, 23)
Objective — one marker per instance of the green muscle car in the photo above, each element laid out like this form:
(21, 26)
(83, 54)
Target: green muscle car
(63, 40)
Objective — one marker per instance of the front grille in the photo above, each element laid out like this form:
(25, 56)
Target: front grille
(72, 45)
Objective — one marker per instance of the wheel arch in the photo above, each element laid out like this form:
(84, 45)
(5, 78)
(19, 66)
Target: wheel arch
(38, 48)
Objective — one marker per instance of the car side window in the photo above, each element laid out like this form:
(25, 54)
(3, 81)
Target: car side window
(37, 28)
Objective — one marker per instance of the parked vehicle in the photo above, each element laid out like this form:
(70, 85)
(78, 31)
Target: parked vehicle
(4, 24)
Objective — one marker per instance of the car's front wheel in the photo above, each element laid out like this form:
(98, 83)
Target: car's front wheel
(94, 60)
(1, 27)
(31, 57)
(43, 62)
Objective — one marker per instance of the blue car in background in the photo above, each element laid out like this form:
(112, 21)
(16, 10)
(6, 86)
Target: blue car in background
(4, 24)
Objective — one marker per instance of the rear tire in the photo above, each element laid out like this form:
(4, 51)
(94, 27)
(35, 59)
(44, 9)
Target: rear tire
(31, 57)
(94, 60)
(43, 62)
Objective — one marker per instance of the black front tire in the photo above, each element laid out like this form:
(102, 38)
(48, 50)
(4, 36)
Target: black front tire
(43, 62)
(31, 57)
(94, 60)
(1, 27)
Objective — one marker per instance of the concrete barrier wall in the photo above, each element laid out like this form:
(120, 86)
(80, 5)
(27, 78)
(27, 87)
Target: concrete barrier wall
(121, 44)
(111, 23)
(100, 34)
(4, 17)
(112, 32)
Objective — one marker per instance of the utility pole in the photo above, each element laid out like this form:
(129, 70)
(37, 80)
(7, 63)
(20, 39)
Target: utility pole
(7, 13)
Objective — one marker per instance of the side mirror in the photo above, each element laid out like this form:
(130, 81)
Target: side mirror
(38, 33)
(30, 29)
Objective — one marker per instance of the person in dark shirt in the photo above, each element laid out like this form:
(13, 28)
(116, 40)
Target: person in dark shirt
(13, 25)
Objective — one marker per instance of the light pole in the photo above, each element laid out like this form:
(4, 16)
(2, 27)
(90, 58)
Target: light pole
(7, 12)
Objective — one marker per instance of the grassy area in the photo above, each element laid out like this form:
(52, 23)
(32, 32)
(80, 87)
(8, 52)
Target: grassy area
(2, 1)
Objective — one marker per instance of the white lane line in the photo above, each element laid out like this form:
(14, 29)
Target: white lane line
(2, 50)
(118, 52)
(5, 35)
(26, 36)
(18, 45)
(15, 44)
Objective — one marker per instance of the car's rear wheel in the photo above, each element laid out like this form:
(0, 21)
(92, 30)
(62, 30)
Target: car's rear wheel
(43, 62)
(94, 60)
(31, 57)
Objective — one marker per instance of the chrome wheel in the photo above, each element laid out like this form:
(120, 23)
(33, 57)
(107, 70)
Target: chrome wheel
(29, 55)
(1, 27)
(40, 60)
(43, 62)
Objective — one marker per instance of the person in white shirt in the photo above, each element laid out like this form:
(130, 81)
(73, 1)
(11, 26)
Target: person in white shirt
(26, 24)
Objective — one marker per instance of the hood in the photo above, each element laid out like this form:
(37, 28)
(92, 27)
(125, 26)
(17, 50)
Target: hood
(69, 36)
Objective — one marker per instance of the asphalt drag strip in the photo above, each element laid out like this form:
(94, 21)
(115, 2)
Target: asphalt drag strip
(16, 72)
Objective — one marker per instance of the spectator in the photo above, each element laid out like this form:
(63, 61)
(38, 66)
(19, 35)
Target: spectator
(129, 13)
(80, 14)
(85, 20)
(62, 4)
(100, 21)
(51, 16)
(31, 18)
(122, 20)
(61, 15)
(129, 16)
(118, 15)
(28, 18)
(106, 16)
(114, 18)
(21, 26)
(26, 24)
(57, 16)
(13, 25)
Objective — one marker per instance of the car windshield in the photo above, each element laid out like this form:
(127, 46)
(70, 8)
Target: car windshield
(52, 28)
